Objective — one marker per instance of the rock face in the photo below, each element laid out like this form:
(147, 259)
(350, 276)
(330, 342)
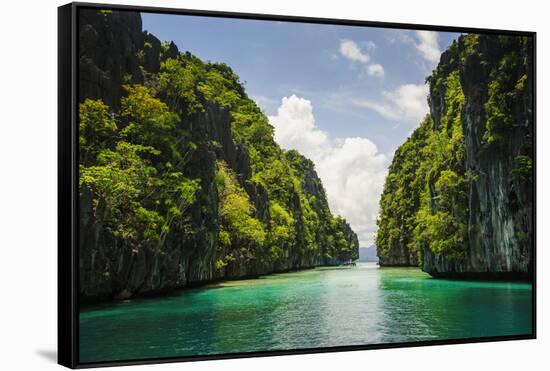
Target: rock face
(114, 51)
(500, 224)
(400, 202)
(399, 256)
(108, 44)
(481, 103)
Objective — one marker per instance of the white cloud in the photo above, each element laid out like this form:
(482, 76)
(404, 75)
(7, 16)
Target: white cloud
(351, 51)
(407, 103)
(370, 45)
(428, 45)
(351, 169)
(425, 43)
(295, 127)
(393, 36)
(376, 70)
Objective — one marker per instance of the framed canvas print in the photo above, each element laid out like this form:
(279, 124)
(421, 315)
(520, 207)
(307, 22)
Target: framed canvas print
(236, 185)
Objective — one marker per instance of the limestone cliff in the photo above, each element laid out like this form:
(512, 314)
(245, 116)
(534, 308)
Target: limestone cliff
(468, 170)
(252, 208)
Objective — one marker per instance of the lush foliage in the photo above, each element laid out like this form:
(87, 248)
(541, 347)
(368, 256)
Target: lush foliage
(425, 202)
(147, 169)
(441, 220)
(404, 189)
(297, 220)
(505, 91)
(523, 169)
(134, 172)
(239, 227)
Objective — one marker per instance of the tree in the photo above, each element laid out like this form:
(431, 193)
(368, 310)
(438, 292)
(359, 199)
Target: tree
(96, 129)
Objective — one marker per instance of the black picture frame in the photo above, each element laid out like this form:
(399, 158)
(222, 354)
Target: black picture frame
(68, 304)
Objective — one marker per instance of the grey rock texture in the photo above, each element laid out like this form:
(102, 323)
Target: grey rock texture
(500, 225)
(108, 46)
(399, 256)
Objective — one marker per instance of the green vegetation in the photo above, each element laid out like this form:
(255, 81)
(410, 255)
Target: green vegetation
(238, 227)
(441, 219)
(403, 191)
(523, 169)
(425, 202)
(154, 167)
(133, 169)
(505, 91)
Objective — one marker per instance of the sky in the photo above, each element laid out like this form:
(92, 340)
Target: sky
(344, 96)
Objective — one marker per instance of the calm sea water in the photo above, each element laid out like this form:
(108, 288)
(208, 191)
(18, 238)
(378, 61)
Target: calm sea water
(321, 307)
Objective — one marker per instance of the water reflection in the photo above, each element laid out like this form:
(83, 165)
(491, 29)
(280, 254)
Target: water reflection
(417, 307)
(313, 308)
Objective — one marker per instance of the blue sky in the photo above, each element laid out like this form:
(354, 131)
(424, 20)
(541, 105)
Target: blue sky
(345, 96)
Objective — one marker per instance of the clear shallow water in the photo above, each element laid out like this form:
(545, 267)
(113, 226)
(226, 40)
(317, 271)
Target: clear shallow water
(322, 307)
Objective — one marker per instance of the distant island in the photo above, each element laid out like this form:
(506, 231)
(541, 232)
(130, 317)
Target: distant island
(368, 254)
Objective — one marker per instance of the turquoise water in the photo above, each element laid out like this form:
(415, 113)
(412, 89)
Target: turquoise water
(322, 307)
